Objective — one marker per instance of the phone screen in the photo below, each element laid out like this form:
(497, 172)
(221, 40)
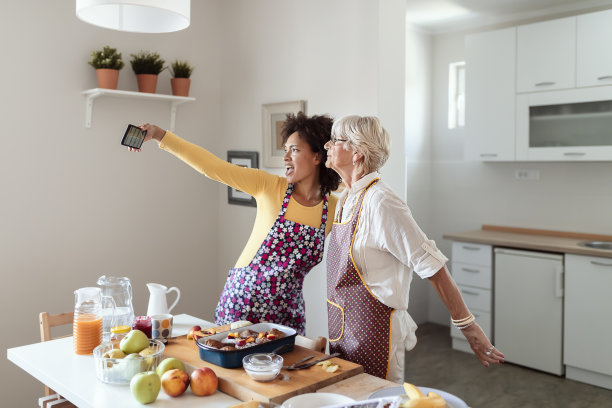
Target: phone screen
(133, 137)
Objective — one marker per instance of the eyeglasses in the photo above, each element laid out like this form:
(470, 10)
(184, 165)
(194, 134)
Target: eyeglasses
(333, 140)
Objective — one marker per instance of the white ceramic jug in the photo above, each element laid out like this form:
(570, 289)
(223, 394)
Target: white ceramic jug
(157, 299)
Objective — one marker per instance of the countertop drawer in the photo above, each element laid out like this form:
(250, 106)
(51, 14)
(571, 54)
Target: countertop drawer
(474, 254)
(476, 298)
(472, 275)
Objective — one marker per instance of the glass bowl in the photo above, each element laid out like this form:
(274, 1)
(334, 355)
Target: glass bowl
(262, 366)
(121, 370)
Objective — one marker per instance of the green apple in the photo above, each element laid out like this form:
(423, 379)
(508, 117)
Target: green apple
(134, 342)
(169, 364)
(145, 387)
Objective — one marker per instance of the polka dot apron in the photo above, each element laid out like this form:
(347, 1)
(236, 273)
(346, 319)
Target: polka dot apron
(270, 287)
(359, 324)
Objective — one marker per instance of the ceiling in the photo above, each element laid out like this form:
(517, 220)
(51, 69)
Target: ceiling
(438, 16)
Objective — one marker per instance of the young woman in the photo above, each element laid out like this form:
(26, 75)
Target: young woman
(289, 232)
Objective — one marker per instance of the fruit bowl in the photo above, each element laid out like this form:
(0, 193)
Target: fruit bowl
(121, 370)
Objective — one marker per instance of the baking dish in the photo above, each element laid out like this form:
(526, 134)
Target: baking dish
(233, 358)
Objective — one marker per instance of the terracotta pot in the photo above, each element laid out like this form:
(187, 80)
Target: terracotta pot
(180, 86)
(147, 82)
(107, 78)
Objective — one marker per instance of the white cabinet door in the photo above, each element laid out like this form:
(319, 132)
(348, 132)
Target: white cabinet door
(529, 308)
(588, 305)
(594, 59)
(490, 95)
(546, 55)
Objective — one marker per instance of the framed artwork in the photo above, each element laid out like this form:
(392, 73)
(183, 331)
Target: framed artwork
(273, 117)
(244, 159)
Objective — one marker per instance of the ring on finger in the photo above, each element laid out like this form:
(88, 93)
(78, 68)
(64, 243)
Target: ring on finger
(489, 351)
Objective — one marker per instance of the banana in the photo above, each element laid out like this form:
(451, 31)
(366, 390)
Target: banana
(419, 400)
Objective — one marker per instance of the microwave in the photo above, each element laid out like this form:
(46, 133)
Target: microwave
(565, 125)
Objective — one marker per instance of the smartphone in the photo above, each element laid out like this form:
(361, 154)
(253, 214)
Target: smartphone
(133, 137)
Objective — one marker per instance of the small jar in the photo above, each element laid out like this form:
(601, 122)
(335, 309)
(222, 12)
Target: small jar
(144, 324)
(118, 333)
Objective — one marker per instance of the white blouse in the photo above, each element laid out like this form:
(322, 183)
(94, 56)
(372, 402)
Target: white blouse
(387, 247)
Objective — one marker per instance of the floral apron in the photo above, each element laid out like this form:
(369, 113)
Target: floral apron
(270, 287)
(359, 324)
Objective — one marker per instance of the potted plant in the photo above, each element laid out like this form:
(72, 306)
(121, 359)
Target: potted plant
(107, 63)
(147, 66)
(181, 71)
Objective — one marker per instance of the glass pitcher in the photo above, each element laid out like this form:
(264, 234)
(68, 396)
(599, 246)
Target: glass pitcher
(120, 289)
(87, 324)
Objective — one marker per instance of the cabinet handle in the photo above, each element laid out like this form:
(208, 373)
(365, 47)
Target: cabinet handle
(559, 281)
(574, 154)
(605, 77)
(469, 292)
(600, 263)
(488, 154)
(470, 270)
(471, 248)
(546, 83)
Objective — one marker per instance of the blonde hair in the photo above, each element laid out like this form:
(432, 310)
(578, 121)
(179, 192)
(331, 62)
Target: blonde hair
(367, 136)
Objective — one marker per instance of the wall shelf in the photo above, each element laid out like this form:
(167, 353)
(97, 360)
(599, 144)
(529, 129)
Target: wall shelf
(94, 93)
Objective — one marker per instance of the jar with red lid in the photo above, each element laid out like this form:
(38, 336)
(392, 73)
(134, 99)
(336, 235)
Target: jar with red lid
(143, 323)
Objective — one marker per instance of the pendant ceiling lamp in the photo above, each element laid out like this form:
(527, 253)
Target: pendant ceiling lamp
(137, 16)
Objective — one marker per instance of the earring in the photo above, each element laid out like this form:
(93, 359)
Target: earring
(354, 162)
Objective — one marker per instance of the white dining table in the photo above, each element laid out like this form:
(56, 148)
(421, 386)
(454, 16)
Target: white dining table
(73, 376)
(54, 364)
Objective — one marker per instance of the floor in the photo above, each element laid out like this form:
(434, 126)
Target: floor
(433, 363)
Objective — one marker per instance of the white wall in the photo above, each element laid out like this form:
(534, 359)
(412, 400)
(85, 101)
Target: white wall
(77, 205)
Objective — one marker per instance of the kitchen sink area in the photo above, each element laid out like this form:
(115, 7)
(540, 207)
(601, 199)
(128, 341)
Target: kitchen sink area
(606, 245)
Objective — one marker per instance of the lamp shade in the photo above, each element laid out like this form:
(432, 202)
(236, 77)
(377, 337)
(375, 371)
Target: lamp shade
(138, 16)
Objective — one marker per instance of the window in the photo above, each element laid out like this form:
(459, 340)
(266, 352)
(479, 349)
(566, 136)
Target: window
(456, 95)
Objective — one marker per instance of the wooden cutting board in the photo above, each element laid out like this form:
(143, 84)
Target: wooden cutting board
(237, 383)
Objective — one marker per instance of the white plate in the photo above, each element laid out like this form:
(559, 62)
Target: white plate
(451, 400)
(316, 399)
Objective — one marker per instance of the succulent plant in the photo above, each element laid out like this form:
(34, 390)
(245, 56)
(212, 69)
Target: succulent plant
(181, 69)
(146, 62)
(107, 57)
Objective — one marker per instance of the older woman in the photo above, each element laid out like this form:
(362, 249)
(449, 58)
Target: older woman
(374, 247)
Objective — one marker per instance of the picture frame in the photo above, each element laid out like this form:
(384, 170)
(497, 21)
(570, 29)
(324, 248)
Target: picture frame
(244, 159)
(273, 117)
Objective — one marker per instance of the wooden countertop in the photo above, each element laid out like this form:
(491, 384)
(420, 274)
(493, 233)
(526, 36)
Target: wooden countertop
(534, 239)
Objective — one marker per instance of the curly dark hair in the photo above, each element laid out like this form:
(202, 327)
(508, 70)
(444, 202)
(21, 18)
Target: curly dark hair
(316, 131)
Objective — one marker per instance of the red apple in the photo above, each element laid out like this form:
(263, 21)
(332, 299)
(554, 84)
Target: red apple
(192, 330)
(175, 382)
(271, 336)
(240, 342)
(204, 381)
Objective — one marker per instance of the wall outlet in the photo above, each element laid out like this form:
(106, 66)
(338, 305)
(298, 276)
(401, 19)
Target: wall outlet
(527, 174)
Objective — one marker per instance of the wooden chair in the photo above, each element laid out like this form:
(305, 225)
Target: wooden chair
(319, 344)
(47, 322)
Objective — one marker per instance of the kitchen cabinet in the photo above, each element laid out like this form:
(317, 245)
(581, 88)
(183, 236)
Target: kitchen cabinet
(529, 308)
(471, 269)
(546, 55)
(568, 125)
(593, 56)
(587, 332)
(490, 92)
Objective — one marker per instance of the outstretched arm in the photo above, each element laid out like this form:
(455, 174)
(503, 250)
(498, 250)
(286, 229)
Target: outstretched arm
(444, 284)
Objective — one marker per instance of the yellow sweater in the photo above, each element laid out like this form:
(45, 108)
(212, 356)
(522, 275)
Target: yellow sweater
(268, 189)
